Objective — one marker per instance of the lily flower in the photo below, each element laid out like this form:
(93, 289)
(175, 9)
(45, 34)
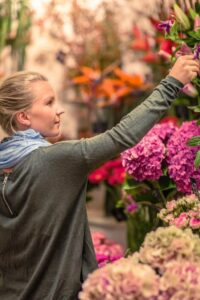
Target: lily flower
(165, 25)
(181, 17)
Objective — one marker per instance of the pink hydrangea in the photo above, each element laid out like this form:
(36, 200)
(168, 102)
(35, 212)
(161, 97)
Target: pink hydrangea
(180, 157)
(164, 130)
(144, 161)
(106, 250)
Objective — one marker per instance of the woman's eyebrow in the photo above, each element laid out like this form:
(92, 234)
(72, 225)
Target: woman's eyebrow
(49, 98)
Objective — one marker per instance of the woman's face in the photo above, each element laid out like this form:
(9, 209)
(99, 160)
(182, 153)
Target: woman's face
(44, 114)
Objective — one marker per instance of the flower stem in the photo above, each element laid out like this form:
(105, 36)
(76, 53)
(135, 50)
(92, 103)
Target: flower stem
(160, 193)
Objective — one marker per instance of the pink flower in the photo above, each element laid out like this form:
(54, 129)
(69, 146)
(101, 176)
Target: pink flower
(181, 221)
(132, 208)
(184, 50)
(196, 23)
(195, 223)
(190, 90)
(180, 157)
(171, 205)
(106, 250)
(98, 175)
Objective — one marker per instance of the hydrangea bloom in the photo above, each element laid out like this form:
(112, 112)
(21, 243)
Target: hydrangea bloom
(181, 280)
(142, 276)
(180, 157)
(106, 250)
(124, 279)
(183, 213)
(164, 130)
(144, 160)
(165, 244)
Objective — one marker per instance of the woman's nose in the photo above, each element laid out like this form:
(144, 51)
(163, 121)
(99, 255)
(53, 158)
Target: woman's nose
(60, 111)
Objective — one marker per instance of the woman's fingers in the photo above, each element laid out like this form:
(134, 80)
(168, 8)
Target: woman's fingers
(185, 69)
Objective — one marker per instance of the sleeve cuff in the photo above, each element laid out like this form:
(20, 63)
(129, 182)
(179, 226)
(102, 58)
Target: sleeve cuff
(175, 81)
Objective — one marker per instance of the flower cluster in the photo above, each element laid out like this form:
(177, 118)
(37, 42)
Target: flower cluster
(169, 243)
(124, 279)
(111, 172)
(183, 213)
(166, 267)
(181, 280)
(106, 250)
(180, 157)
(144, 161)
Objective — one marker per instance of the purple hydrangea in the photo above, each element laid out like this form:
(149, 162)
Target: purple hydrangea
(180, 157)
(164, 130)
(144, 160)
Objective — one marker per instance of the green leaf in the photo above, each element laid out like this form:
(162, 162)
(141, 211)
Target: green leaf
(195, 108)
(194, 141)
(192, 13)
(198, 122)
(195, 34)
(197, 160)
(120, 204)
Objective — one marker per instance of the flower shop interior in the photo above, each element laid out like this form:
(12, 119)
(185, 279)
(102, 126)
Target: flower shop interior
(103, 58)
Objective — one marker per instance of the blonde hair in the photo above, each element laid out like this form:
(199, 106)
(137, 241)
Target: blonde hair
(15, 96)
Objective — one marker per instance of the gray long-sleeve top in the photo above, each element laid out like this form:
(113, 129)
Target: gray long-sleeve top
(45, 247)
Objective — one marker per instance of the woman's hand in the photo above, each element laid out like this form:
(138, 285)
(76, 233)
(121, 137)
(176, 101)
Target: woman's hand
(185, 69)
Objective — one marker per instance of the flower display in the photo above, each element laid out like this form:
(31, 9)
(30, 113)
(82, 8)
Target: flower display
(167, 267)
(170, 243)
(180, 157)
(124, 279)
(183, 213)
(106, 250)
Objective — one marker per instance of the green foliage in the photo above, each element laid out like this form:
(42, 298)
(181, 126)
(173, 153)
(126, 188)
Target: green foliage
(15, 23)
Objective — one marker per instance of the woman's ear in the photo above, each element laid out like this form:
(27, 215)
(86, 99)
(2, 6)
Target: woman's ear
(22, 119)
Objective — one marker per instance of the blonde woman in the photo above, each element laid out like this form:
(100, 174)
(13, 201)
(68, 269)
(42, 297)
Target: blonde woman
(46, 250)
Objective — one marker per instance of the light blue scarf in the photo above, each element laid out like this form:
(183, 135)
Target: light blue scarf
(13, 149)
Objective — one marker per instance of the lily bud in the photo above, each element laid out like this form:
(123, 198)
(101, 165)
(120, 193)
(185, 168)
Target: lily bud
(190, 90)
(181, 17)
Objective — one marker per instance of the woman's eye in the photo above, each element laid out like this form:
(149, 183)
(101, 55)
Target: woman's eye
(50, 102)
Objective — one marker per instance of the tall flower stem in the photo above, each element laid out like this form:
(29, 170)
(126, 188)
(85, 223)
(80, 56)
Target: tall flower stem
(159, 192)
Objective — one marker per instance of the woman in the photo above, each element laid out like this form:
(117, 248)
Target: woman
(46, 250)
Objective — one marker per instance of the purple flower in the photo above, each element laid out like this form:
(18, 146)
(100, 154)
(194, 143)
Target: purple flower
(165, 25)
(144, 160)
(180, 157)
(131, 208)
(184, 50)
(164, 131)
(197, 51)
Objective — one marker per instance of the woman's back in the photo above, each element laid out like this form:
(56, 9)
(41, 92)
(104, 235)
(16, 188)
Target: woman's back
(45, 246)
